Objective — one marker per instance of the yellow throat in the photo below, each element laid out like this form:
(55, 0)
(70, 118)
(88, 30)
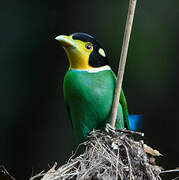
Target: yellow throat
(77, 52)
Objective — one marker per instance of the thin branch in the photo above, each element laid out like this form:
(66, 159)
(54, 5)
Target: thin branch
(175, 178)
(131, 132)
(169, 171)
(122, 63)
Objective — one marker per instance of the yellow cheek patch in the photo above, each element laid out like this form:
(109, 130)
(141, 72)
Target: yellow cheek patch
(79, 56)
(101, 51)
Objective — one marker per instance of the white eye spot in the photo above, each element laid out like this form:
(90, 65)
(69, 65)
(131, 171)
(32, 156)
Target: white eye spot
(101, 51)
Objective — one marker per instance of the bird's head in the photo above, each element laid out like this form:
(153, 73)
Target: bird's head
(83, 51)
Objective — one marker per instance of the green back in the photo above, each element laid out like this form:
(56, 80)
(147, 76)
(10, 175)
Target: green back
(89, 99)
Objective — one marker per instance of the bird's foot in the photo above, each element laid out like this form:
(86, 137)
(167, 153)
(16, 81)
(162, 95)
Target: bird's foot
(109, 128)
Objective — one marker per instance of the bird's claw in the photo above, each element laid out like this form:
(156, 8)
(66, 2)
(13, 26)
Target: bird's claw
(109, 128)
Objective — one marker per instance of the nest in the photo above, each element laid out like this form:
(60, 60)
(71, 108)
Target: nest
(109, 156)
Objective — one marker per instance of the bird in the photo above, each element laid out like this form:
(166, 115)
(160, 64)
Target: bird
(89, 85)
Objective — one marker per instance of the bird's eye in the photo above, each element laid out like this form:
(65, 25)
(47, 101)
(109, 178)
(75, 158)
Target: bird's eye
(88, 46)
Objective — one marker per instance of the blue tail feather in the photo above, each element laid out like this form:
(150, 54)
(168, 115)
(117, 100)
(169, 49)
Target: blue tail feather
(135, 122)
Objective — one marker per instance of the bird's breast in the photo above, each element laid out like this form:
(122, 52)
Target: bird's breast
(88, 85)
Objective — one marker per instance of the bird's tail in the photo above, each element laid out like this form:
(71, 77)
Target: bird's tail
(135, 122)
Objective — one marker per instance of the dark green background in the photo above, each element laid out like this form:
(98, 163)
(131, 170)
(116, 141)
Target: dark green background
(34, 127)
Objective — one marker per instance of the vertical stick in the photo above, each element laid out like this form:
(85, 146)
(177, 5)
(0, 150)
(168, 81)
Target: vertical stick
(127, 33)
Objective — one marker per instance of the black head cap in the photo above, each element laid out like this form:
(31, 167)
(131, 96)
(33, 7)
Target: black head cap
(95, 58)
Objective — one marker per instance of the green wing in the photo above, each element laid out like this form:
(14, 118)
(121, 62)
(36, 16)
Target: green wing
(123, 103)
(124, 107)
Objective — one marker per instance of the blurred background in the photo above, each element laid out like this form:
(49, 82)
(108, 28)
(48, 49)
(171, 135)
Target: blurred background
(34, 127)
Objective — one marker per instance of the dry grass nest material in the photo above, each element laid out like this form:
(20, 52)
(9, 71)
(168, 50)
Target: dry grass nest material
(109, 156)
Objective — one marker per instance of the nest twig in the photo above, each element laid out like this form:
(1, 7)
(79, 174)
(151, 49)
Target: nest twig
(115, 156)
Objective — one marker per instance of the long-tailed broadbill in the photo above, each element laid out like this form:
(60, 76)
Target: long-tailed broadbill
(89, 86)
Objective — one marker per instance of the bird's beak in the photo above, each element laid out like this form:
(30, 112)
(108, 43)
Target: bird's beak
(66, 41)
